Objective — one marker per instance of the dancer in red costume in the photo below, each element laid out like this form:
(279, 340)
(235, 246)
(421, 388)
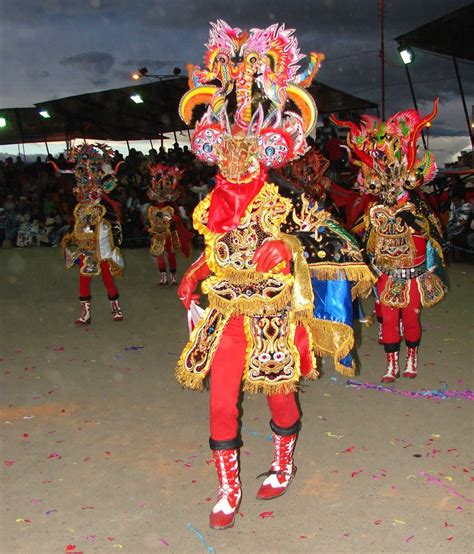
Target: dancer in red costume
(402, 235)
(256, 334)
(94, 242)
(166, 227)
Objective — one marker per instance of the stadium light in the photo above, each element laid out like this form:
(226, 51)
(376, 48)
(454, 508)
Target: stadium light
(136, 98)
(3, 122)
(407, 55)
(143, 72)
(45, 114)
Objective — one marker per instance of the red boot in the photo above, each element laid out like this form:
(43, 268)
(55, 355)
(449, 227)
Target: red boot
(230, 492)
(393, 369)
(86, 317)
(281, 471)
(411, 362)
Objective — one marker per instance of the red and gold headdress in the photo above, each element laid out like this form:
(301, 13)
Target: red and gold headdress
(386, 151)
(258, 69)
(164, 184)
(94, 171)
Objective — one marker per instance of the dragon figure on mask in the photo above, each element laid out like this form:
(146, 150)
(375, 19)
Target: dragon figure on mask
(267, 259)
(168, 232)
(94, 242)
(402, 236)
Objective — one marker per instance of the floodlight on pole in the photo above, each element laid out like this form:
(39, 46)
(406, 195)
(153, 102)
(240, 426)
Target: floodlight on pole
(45, 114)
(143, 72)
(3, 122)
(136, 98)
(407, 55)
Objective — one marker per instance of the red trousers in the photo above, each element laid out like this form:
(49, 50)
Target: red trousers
(226, 380)
(391, 316)
(161, 261)
(85, 282)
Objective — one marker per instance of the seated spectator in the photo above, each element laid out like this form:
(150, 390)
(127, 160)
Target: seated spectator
(28, 232)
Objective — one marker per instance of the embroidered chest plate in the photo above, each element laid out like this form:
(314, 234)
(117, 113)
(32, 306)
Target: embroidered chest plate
(88, 218)
(235, 286)
(391, 243)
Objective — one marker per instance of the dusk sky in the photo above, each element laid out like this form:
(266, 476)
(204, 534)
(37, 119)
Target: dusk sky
(57, 48)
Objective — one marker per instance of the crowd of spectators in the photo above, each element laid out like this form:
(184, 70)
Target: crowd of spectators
(36, 204)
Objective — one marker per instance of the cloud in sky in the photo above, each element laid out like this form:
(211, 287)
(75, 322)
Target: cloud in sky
(96, 63)
(66, 48)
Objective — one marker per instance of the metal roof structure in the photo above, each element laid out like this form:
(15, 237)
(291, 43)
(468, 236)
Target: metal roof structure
(111, 115)
(450, 35)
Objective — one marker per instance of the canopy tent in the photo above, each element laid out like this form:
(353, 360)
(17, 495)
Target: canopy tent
(450, 35)
(112, 115)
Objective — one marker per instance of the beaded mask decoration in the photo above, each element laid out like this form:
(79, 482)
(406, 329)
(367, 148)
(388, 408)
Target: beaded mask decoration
(257, 74)
(386, 152)
(164, 184)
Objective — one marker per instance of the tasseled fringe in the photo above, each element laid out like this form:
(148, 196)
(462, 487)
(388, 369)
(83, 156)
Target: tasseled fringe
(271, 388)
(363, 288)
(302, 316)
(253, 307)
(244, 276)
(339, 351)
(335, 271)
(189, 380)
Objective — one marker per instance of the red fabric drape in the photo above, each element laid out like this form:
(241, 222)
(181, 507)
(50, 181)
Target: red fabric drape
(230, 200)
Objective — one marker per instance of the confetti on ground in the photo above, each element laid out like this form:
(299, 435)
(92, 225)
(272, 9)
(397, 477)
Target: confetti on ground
(164, 542)
(268, 437)
(436, 481)
(408, 539)
(329, 434)
(133, 348)
(434, 394)
(264, 515)
(200, 537)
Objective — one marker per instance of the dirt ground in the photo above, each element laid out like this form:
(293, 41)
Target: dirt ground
(102, 451)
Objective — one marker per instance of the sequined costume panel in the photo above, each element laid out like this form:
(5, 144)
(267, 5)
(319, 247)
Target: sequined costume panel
(92, 239)
(160, 219)
(266, 300)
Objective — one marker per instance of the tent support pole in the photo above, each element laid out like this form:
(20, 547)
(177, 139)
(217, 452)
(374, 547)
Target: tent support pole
(461, 90)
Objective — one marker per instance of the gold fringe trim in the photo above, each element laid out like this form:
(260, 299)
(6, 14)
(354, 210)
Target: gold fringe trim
(314, 373)
(249, 307)
(245, 276)
(186, 376)
(268, 389)
(352, 271)
(302, 316)
(302, 296)
(363, 288)
(333, 337)
(189, 380)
